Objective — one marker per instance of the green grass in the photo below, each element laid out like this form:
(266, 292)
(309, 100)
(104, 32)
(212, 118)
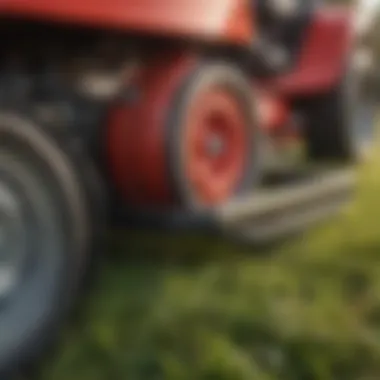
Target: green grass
(177, 308)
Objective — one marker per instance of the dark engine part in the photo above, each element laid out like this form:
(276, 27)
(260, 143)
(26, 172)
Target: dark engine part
(281, 35)
(64, 78)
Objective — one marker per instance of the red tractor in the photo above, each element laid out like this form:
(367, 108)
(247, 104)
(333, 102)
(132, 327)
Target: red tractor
(151, 107)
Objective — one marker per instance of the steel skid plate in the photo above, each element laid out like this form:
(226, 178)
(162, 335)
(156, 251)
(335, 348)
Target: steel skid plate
(282, 207)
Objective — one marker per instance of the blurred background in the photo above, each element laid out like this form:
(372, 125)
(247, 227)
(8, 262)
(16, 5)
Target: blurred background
(369, 21)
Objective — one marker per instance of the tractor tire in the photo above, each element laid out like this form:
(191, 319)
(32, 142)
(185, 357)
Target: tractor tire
(51, 222)
(214, 137)
(330, 123)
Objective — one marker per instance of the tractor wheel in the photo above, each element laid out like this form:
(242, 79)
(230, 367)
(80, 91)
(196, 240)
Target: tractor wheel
(213, 140)
(330, 122)
(50, 222)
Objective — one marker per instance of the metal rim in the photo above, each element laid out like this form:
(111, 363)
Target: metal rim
(215, 145)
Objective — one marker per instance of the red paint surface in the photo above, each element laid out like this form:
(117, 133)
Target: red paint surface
(217, 20)
(137, 133)
(274, 112)
(324, 53)
(215, 117)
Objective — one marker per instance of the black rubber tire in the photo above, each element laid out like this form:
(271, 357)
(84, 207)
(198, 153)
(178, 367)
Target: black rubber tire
(61, 198)
(330, 122)
(209, 74)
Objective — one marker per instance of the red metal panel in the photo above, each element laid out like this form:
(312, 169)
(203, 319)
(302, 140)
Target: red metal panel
(324, 55)
(219, 20)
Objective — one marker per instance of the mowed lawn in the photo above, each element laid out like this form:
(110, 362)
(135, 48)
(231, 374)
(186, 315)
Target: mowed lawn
(192, 308)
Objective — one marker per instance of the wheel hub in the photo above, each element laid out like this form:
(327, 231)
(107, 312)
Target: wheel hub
(12, 241)
(215, 146)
